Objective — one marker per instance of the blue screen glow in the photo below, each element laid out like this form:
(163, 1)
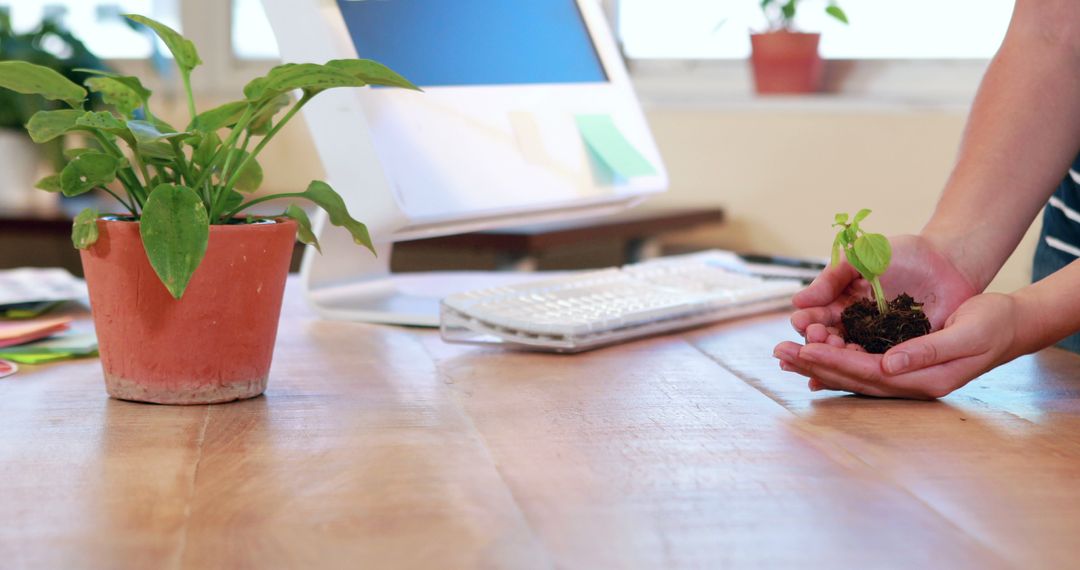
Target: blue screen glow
(475, 42)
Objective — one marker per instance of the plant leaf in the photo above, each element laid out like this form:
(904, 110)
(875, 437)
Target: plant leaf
(233, 200)
(71, 153)
(129, 81)
(183, 50)
(311, 77)
(219, 117)
(87, 171)
(874, 252)
(50, 183)
(372, 73)
(853, 259)
(106, 122)
(150, 141)
(251, 176)
(45, 126)
(303, 226)
(205, 149)
(837, 12)
(84, 231)
(861, 215)
(789, 11)
(326, 198)
(840, 219)
(262, 122)
(175, 230)
(116, 94)
(30, 79)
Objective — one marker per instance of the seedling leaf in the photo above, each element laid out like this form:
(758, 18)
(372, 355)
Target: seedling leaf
(874, 252)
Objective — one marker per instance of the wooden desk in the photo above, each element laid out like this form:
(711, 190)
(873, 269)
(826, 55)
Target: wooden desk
(381, 447)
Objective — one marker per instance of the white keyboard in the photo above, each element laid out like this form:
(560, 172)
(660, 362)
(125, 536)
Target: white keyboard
(581, 311)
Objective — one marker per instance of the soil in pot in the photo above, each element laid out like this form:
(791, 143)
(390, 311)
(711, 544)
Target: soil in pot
(866, 326)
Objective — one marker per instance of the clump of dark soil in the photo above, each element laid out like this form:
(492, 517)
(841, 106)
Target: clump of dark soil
(877, 333)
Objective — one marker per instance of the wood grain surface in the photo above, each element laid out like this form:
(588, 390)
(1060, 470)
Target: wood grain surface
(383, 447)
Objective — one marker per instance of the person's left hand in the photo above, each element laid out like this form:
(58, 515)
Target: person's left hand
(978, 336)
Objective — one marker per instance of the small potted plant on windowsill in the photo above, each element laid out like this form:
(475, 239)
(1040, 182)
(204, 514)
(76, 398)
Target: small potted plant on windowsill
(53, 46)
(185, 290)
(785, 60)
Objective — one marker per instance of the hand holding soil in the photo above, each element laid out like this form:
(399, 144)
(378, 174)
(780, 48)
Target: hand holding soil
(916, 267)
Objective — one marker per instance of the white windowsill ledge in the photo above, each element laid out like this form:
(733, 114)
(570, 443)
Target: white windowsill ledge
(865, 86)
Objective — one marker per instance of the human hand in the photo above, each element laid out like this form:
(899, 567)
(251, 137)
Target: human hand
(917, 268)
(978, 336)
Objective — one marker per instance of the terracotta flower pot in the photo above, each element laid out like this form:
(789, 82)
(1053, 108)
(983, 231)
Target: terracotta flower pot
(212, 345)
(786, 62)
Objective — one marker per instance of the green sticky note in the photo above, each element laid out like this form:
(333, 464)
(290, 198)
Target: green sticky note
(608, 144)
(46, 356)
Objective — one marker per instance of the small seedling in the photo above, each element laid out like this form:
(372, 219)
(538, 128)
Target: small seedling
(869, 254)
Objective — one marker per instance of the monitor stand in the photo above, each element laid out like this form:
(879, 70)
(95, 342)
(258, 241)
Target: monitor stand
(346, 282)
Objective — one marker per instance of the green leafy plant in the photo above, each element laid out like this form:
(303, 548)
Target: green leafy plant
(179, 182)
(869, 254)
(50, 45)
(781, 13)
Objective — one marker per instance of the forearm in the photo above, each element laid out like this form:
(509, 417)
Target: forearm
(1047, 311)
(1022, 134)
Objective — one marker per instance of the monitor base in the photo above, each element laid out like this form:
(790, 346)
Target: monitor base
(407, 298)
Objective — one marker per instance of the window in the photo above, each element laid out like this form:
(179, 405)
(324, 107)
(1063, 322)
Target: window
(98, 24)
(252, 36)
(913, 29)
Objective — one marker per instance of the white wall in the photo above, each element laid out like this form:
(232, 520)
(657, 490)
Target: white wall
(781, 171)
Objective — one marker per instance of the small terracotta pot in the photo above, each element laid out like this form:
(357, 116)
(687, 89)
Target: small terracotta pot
(215, 343)
(786, 62)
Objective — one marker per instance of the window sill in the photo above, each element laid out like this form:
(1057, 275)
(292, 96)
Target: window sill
(865, 86)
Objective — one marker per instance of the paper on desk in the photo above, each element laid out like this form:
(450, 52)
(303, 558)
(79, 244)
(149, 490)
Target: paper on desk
(607, 144)
(33, 285)
(22, 332)
(63, 347)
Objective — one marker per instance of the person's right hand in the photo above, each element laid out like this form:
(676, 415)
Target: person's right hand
(917, 268)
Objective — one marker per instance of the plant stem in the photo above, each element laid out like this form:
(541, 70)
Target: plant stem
(142, 167)
(241, 124)
(181, 161)
(262, 144)
(187, 88)
(130, 207)
(251, 203)
(130, 182)
(225, 172)
(879, 296)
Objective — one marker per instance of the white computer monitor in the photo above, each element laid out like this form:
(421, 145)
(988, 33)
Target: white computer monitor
(495, 139)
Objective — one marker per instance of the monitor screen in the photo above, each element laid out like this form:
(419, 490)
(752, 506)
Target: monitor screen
(475, 42)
